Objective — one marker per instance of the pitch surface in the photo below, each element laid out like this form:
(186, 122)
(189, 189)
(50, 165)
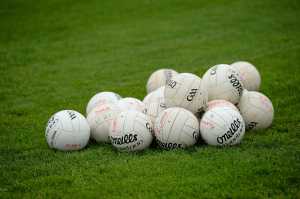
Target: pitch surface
(57, 54)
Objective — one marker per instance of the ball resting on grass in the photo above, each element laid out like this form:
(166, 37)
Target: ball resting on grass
(67, 130)
(176, 128)
(131, 131)
(100, 119)
(221, 126)
(256, 109)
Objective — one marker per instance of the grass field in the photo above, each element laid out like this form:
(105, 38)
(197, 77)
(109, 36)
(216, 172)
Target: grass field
(57, 54)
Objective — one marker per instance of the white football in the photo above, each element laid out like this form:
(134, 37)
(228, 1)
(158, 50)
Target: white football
(256, 109)
(130, 103)
(100, 119)
(176, 128)
(155, 96)
(249, 75)
(154, 109)
(102, 98)
(222, 126)
(67, 130)
(159, 78)
(131, 131)
(223, 82)
(155, 103)
(186, 91)
(220, 103)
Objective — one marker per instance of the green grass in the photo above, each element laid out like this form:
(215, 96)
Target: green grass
(57, 54)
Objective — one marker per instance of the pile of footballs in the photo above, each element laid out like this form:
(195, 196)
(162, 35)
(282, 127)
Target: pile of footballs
(179, 110)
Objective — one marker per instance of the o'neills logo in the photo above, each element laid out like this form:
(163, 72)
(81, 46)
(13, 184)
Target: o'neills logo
(126, 139)
(171, 83)
(235, 125)
(168, 145)
(72, 115)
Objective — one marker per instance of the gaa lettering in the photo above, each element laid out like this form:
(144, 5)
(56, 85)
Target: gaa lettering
(236, 83)
(72, 115)
(126, 139)
(192, 94)
(234, 126)
(51, 122)
(51, 125)
(172, 83)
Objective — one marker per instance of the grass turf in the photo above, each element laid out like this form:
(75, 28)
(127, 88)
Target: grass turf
(56, 54)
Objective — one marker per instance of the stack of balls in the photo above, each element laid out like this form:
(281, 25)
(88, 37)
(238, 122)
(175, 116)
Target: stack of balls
(179, 110)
